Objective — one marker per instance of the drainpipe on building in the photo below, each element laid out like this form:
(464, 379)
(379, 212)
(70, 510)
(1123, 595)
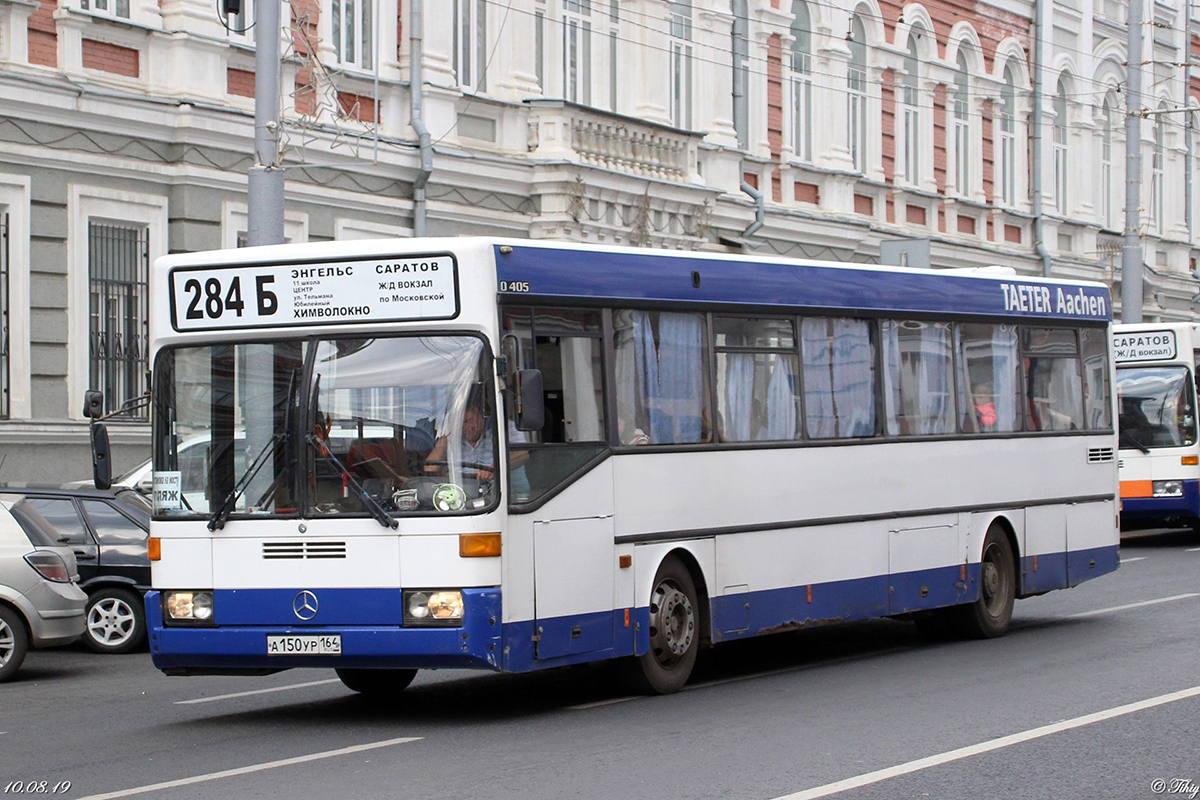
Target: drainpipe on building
(416, 79)
(1187, 126)
(740, 117)
(1039, 24)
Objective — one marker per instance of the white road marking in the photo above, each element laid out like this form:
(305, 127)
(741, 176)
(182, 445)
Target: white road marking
(229, 773)
(255, 691)
(1096, 611)
(1131, 560)
(1193, 549)
(829, 662)
(909, 767)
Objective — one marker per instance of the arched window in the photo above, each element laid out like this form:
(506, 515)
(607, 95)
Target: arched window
(910, 163)
(1060, 147)
(1108, 122)
(1157, 178)
(801, 81)
(1008, 139)
(962, 126)
(856, 81)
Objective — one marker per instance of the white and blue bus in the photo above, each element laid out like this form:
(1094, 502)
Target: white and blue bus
(385, 456)
(1156, 395)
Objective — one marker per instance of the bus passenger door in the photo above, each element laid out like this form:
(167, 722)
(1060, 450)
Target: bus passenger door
(573, 585)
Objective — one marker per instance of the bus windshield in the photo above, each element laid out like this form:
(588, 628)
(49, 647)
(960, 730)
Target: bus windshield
(380, 426)
(1157, 409)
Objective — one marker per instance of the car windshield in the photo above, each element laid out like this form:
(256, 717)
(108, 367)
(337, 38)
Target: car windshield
(1157, 407)
(394, 425)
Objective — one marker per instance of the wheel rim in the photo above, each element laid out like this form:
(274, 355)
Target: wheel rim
(995, 579)
(111, 622)
(8, 642)
(672, 624)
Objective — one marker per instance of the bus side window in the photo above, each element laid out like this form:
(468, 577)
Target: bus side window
(1096, 398)
(839, 377)
(1053, 387)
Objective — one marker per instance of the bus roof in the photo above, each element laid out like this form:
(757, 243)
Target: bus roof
(598, 273)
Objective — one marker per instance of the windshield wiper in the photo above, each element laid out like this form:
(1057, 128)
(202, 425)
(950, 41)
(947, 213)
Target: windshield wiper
(1126, 440)
(374, 506)
(217, 521)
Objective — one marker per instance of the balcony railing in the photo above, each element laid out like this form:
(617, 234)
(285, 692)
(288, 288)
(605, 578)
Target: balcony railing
(559, 130)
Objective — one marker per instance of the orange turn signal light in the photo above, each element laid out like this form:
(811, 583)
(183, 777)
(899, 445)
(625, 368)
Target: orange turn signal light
(478, 545)
(1189, 461)
(154, 548)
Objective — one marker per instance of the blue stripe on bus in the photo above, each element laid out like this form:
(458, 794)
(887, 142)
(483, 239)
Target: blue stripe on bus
(1187, 505)
(483, 643)
(537, 271)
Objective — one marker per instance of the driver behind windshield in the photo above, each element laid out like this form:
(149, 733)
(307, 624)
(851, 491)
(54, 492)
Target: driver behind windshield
(477, 452)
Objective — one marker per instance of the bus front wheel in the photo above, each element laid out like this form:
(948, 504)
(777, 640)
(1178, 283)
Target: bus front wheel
(674, 632)
(989, 616)
(377, 682)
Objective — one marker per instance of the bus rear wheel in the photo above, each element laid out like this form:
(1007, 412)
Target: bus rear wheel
(989, 616)
(674, 632)
(377, 682)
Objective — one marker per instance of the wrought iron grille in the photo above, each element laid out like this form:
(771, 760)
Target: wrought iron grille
(118, 308)
(5, 367)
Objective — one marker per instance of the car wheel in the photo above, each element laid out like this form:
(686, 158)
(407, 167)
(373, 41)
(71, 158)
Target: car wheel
(14, 643)
(989, 616)
(674, 632)
(116, 621)
(378, 683)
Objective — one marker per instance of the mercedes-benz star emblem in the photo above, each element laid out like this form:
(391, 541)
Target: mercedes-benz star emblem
(305, 605)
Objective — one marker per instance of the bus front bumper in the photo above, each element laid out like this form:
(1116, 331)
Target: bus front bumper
(1186, 504)
(243, 648)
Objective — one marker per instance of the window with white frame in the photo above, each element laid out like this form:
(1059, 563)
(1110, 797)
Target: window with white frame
(910, 117)
(1108, 122)
(801, 94)
(577, 51)
(1007, 160)
(962, 125)
(681, 63)
(856, 97)
(1156, 179)
(108, 8)
(1060, 147)
(353, 25)
(470, 44)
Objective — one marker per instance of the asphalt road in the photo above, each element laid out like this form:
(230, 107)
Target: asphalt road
(1087, 697)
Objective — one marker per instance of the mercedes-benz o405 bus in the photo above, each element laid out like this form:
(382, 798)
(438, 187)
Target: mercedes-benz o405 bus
(513, 455)
(1159, 454)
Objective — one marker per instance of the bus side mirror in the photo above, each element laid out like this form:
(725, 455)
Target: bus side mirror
(101, 457)
(93, 404)
(531, 403)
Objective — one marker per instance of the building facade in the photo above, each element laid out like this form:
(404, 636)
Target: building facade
(126, 131)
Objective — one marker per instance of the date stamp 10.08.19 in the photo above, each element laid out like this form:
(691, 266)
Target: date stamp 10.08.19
(36, 787)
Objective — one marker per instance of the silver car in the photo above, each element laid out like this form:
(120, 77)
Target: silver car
(40, 603)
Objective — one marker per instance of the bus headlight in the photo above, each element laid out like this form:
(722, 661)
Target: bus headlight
(433, 608)
(1168, 488)
(189, 608)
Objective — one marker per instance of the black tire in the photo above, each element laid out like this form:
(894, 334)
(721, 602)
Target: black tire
(115, 621)
(989, 616)
(674, 632)
(377, 682)
(14, 642)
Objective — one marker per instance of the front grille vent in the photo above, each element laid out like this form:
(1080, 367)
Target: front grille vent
(300, 550)
(1100, 455)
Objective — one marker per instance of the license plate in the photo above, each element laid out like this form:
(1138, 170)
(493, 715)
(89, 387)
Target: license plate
(323, 645)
